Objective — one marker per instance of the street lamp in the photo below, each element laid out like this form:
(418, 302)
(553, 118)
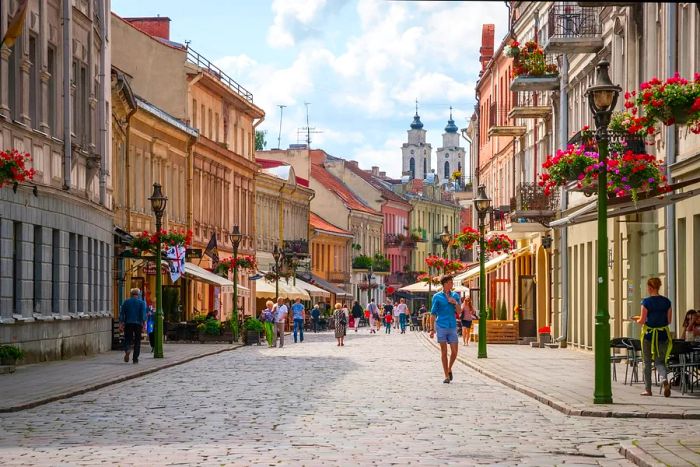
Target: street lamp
(158, 202)
(277, 255)
(445, 238)
(235, 236)
(602, 98)
(482, 204)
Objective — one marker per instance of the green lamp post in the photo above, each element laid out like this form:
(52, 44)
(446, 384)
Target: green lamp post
(235, 237)
(482, 204)
(158, 202)
(602, 98)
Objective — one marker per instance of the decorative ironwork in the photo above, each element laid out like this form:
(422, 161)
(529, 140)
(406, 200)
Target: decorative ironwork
(196, 59)
(531, 202)
(567, 19)
(399, 240)
(635, 143)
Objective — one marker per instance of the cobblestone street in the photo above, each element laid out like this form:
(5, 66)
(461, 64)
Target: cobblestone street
(378, 400)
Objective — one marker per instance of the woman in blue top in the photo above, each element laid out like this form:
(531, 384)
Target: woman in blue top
(656, 335)
(444, 309)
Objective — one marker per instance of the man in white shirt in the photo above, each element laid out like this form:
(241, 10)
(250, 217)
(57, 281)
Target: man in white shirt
(403, 315)
(280, 320)
(396, 315)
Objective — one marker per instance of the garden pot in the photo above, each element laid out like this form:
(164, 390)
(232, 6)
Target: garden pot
(544, 339)
(680, 115)
(9, 361)
(252, 337)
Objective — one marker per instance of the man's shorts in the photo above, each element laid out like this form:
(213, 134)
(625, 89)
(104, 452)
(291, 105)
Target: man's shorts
(446, 335)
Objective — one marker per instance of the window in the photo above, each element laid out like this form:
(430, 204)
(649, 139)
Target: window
(425, 167)
(194, 113)
(38, 267)
(34, 101)
(81, 120)
(216, 127)
(13, 83)
(447, 170)
(210, 134)
(204, 120)
(51, 118)
(17, 247)
(55, 270)
(412, 167)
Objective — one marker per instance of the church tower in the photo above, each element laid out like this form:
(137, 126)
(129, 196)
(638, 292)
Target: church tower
(450, 157)
(417, 154)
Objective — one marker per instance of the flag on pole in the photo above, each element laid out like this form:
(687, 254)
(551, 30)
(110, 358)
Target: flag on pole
(212, 250)
(14, 29)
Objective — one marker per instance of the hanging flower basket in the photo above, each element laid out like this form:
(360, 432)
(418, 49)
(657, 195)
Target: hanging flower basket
(530, 60)
(674, 101)
(628, 174)
(466, 238)
(243, 262)
(148, 242)
(499, 243)
(444, 266)
(13, 167)
(566, 166)
(427, 278)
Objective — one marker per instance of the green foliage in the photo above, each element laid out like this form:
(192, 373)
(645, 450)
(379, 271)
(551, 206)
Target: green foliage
(490, 313)
(381, 263)
(199, 318)
(356, 246)
(502, 311)
(211, 327)
(362, 262)
(253, 324)
(171, 302)
(10, 352)
(260, 142)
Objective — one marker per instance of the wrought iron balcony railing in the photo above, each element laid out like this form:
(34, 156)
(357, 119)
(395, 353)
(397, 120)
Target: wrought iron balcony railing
(197, 59)
(531, 202)
(573, 29)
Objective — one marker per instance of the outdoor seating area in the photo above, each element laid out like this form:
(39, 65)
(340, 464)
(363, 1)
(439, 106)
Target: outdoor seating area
(683, 363)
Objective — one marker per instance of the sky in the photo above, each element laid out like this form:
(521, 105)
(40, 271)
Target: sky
(360, 64)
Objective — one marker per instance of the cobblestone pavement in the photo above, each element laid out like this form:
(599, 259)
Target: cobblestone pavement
(379, 400)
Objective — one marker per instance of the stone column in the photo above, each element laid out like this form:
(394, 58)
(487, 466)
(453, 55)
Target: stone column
(82, 271)
(6, 269)
(24, 280)
(23, 102)
(43, 250)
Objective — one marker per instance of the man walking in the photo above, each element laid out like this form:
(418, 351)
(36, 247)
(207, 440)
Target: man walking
(280, 321)
(373, 315)
(403, 315)
(443, 320)
(315, 317)
(132, 320)
(298, 316)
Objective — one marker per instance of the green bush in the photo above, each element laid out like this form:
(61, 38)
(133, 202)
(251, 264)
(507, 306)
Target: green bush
(489, 313)
(199, 318)
(381, 263)
(10, 352)
(362, 262)
(253, 324)
(502, 311)
(211, 327)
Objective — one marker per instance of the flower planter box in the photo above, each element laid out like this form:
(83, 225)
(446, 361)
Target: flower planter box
(498, 331)
(544, 339)
(252, 337)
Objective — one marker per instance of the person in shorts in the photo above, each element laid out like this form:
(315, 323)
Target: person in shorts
(443, 322)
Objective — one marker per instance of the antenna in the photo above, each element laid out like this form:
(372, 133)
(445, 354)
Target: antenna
(307, 129)
(279, 135)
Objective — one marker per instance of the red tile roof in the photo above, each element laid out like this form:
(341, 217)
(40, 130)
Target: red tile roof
(341, 190)
(372, 180)
(317, 222)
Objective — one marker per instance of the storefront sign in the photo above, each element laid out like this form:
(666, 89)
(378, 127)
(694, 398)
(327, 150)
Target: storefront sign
(150, 268)
(194, 253)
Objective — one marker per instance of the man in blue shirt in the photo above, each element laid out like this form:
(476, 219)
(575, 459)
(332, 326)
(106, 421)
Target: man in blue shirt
(443, 320)
(298, 315)
(316, 317)
(132, 320)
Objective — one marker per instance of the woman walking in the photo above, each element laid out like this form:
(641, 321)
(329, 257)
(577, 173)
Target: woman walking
(267, 317)
(656, 335)
(357, 313)
(466, 317)
(341, 323)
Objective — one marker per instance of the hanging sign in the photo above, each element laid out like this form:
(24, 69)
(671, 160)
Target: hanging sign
(176, 257)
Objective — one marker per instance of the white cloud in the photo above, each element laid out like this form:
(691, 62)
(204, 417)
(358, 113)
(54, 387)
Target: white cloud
(295, 20)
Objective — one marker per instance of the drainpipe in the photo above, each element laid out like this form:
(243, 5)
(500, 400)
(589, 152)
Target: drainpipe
(67, 66)
(671, 66)
(101, 103)
(564, 243)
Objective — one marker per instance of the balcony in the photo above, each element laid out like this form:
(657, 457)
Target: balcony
(531, 203)
(296, 247)
(501, 125)
(403, 278)
(528, 105)
(604, 4)
(338, 277)
(537, 78)
(400, 241)
(573, 29)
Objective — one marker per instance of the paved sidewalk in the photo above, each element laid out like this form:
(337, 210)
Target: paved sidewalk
(40, 383)
(563, 379)
(662, 452)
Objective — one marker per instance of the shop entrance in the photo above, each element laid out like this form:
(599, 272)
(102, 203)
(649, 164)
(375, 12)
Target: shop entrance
(528, 301)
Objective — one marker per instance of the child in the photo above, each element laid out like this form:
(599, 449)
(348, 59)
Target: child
(388, 318)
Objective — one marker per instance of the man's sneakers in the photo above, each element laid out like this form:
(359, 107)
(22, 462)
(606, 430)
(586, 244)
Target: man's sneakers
(126, 356)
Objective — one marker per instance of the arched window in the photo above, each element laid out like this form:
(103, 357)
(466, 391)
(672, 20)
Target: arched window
(425, 167)
(412, 167)
(447, 170)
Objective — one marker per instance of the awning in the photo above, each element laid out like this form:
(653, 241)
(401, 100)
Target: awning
(312, 289)
(202, 275)
(266, 289)
(490, 265)
(422, 287)
(622, 207)
(334, 289)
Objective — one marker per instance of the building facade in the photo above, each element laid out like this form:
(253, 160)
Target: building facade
(56, 232)
(330, 248)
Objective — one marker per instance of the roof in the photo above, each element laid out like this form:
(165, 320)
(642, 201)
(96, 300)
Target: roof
(387, 193)
(336, 186)
(276, 168)
(319, 223)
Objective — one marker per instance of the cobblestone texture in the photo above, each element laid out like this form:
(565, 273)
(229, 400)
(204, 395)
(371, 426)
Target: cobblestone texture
(379, 400)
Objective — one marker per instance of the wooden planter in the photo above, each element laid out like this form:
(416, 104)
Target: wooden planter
(252, 337)
(498, 331)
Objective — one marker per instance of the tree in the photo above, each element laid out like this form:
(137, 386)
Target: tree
(260, 141)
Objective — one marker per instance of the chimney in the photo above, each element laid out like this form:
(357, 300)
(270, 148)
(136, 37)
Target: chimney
(158, 26)
(353, 163)
(382, 174)
(375, 171)
(317, 156)
(487, 33)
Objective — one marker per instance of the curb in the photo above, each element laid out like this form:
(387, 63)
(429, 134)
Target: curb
(559, 405)
(119, 379)
(638, 456)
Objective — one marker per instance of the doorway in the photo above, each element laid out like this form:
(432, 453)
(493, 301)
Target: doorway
(528, 296)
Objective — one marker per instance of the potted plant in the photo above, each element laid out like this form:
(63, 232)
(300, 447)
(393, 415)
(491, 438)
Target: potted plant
(253, 327)
(147, 242)
(13, 167)
(566, 166)
(674, 101)
(209, 330)
(362, 262)
(499, 243)
(544, 335)
(466, 238)
(529, 60)
(9, 354)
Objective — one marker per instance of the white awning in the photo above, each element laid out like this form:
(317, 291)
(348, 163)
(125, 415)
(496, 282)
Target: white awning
(564, 221)
(265, 289)
(311, 289)
(490, 265)
(201, 274)
(419, 287)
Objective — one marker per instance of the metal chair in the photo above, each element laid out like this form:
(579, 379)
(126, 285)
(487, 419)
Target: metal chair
(615, 344)
(634, 357)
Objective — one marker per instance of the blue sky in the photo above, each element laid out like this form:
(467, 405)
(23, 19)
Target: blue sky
(360, 63)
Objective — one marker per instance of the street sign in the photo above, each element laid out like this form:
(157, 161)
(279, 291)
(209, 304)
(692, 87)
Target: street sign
(193, 253)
